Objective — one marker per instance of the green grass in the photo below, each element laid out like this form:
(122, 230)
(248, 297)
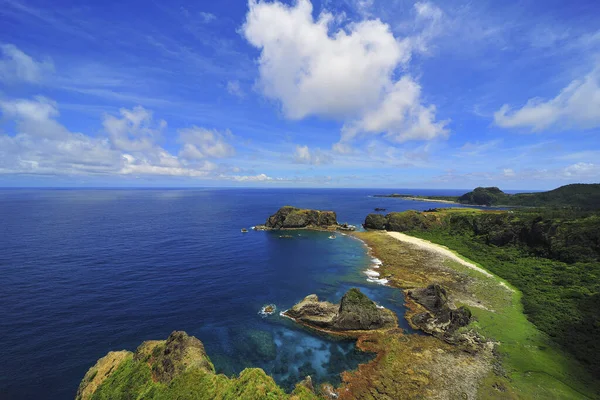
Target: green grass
(534, 366)
(133, 380)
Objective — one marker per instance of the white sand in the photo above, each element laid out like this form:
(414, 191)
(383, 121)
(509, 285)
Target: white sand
(441, 250)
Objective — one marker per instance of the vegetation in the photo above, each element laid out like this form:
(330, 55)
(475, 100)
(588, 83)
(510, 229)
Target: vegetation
(526, 363)
(552, 256)
(575, 196)
(177, 368)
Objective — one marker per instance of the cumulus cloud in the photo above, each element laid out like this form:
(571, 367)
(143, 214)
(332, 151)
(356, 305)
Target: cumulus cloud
(16, 66)
(347, 75)
(134, 130)
(576, 106)
(199, 143)
(303, 155)
(43, 146)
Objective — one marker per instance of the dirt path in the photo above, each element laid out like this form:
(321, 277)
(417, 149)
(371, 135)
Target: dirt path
(441, 250)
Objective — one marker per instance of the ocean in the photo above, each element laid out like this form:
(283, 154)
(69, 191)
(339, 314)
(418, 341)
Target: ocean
(87, 271)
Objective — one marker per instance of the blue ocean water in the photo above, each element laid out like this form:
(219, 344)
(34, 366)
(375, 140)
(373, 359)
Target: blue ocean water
(83, 272)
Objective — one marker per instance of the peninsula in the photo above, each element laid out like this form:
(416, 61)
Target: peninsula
(581, 196)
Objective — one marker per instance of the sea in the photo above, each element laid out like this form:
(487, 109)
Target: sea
(87, 271)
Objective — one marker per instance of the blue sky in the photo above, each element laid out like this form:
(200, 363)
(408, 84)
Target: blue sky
(347, 93)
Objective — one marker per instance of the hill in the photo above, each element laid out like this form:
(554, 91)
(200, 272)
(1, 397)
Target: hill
(577, 195)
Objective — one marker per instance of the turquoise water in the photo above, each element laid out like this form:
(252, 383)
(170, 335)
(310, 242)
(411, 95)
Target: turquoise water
(83, 272)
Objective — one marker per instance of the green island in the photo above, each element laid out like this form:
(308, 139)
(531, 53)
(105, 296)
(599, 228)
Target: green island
(510, 312)
(578, 195)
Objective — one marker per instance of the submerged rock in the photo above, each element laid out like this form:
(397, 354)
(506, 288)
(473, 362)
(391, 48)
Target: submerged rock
(355, 312)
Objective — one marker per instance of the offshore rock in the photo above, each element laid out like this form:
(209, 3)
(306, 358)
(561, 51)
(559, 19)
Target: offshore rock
(356, 312)
(295, 218)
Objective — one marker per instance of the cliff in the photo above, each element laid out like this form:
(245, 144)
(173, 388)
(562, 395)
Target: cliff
(176, 368)
(288, 217)
(356, 312)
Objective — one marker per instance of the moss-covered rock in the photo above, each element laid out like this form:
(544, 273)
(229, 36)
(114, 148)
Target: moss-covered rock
(177, 368)
(356, 312)
(400, 221)
(375, 221)
(293, 218)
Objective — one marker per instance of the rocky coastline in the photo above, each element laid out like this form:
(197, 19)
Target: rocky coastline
(450, 359)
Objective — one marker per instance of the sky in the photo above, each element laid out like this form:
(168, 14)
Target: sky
(330, 93)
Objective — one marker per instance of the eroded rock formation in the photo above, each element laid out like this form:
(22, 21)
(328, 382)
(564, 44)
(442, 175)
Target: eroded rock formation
(356, 312)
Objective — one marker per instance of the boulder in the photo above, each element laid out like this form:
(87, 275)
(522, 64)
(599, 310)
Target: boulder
(358, 312)
(355, 312)
(439, 319)
(375, 221)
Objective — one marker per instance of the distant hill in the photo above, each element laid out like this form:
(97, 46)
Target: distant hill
(585, 196)
(577, 195)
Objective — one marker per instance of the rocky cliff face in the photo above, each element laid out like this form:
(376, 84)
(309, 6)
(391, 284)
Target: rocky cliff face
(176, 368)
(291, 217)
(356, 312)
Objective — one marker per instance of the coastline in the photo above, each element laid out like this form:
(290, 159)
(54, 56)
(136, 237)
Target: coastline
(426, 200)
(412, 263)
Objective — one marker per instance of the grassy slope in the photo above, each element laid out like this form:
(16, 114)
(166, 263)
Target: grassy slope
(534, 367)
(533, 362)
(133, 380)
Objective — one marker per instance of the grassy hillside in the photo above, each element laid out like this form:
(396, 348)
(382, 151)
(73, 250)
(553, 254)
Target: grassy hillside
(552, 256)
(576, 196)
(584, 196)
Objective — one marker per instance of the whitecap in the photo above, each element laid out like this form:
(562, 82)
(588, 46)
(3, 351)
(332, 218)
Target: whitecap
(379, 281)
(371, 273)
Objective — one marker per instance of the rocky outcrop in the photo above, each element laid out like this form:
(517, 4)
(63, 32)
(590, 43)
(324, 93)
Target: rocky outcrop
(400, 221)
(177, 368)
(439, 319)
(296, 218)
(356, 312)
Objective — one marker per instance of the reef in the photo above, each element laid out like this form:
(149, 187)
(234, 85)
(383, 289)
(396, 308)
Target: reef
(178, 368)
(288, 217)
(356, 312)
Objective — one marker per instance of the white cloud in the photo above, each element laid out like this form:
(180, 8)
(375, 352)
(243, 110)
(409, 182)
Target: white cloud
(207, 17)
(41, 145)
(401, 115)
(234, 89)
(201, 143)
(16, 66)
(576, 106)
(250, 178)
(134, 131)
(303, 155)
(347, 75)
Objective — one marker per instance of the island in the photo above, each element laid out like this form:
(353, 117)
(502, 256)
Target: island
(289, 217)
(583, 196)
